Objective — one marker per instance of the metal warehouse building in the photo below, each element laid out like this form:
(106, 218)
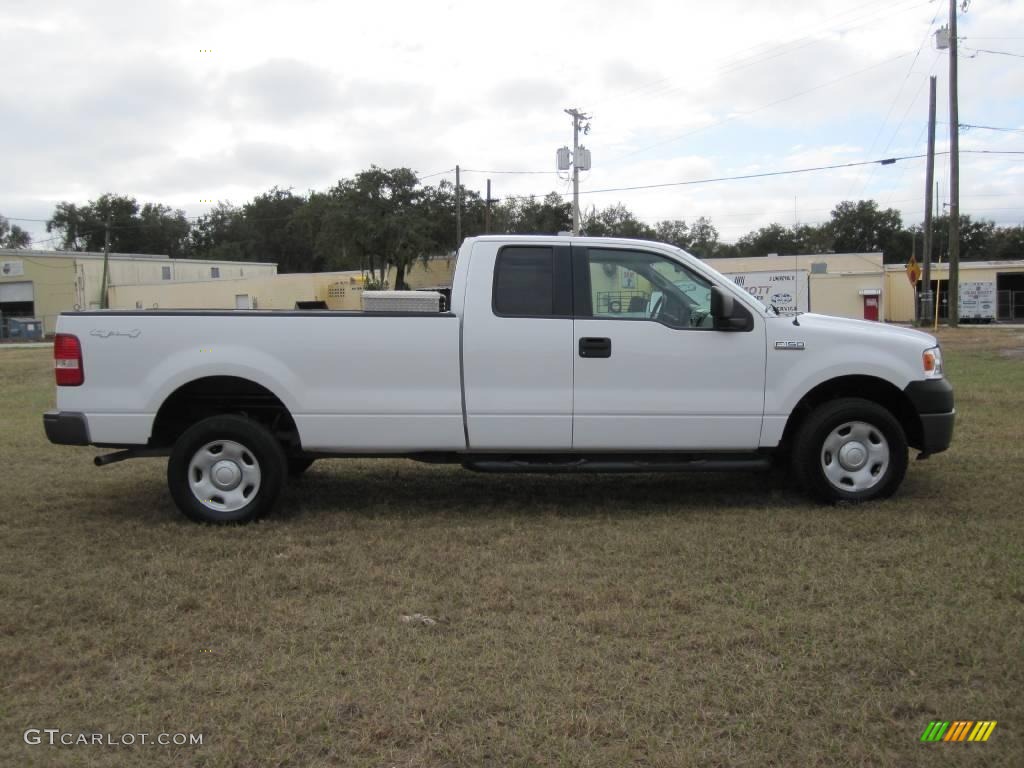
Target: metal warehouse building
(1007, 277)
(42, 284)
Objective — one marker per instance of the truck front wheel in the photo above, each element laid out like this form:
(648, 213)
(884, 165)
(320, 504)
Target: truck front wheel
(850, 449)
(226, 469)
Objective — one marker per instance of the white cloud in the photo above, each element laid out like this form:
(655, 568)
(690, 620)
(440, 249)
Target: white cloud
(111, 95)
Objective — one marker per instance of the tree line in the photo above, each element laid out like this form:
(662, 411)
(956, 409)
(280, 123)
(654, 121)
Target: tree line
(383, 218)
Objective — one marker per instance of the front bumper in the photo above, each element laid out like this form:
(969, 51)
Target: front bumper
(933, 401)
(66, 428)
(936, 431)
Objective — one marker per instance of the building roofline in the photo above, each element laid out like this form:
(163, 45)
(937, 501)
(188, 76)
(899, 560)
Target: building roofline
(27, 253)
(963, 265)
(205, 280)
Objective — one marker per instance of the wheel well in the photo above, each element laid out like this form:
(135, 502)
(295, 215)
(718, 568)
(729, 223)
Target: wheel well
(864, 387)
(214, 395)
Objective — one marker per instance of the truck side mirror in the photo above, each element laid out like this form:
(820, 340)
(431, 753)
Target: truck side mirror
(727, 314)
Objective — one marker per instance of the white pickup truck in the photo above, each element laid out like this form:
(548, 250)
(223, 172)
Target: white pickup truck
(558, 354)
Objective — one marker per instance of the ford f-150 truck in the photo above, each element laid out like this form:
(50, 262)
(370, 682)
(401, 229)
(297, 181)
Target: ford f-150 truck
(557, 354)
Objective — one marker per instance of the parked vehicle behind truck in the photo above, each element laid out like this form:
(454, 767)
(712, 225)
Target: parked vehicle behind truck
(533, 368)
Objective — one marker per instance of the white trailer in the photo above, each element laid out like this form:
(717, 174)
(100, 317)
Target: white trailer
(978, 302)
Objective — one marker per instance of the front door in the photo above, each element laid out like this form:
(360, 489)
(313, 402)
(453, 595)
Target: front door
(871, 308)
(650, 371)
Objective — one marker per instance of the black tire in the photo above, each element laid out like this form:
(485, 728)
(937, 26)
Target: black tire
(261, 469)
(882, 452)
(298, 464)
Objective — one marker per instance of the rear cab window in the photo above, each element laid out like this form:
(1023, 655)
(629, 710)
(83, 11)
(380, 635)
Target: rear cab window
(532, 281)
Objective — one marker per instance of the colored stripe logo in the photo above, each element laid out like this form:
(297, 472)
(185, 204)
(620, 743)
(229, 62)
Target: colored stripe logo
(958, 730)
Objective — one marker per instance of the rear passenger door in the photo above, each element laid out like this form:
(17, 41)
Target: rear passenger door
(517, 347)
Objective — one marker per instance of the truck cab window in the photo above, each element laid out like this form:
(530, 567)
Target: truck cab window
(524, 282)
(635, 285)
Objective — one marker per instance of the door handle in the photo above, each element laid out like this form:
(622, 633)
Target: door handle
(595, 347)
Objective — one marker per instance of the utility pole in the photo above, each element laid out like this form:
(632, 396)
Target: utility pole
(487, 210)
(954, 176)
(577, 117)
(926, 256)
(106, 259)
(458, 208)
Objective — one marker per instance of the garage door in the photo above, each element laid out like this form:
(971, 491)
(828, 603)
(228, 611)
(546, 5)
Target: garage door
(10, 292)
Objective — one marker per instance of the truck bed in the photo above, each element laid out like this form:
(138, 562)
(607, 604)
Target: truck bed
(362, 381)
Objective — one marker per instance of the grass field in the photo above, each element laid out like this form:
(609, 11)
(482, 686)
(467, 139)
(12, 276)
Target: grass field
(711, 620)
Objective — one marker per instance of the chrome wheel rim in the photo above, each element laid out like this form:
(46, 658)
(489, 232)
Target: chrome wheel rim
(224, 476)
(855, 456)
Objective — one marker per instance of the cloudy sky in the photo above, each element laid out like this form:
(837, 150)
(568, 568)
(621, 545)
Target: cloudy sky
(183, 101)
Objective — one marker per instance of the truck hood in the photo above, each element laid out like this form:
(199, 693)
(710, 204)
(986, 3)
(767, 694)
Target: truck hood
(864, 328)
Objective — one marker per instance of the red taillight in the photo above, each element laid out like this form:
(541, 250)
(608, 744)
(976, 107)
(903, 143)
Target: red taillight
(67, 360)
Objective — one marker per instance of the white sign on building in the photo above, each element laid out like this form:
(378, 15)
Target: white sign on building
(786, 291)
(12, 268)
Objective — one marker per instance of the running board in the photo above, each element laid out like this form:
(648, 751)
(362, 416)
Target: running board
(741, 463)
(131, 453)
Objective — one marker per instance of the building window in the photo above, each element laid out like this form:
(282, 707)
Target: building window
(165, 273)
(214, 271)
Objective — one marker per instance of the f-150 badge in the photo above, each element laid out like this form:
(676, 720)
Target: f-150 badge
(103, 333)
(797, 346)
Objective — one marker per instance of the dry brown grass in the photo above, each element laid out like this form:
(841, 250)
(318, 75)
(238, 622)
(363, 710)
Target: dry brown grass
(593, 621)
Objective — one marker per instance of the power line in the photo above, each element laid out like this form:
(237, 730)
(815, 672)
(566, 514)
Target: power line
(1000, 53)
(476, 170)
(990, 128)
(766, 174)
(436, 173)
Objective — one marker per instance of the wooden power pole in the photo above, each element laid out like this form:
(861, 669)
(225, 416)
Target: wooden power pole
(487, 210)
(106, 259)
(458, 208)
(953, 287)
(926, 256)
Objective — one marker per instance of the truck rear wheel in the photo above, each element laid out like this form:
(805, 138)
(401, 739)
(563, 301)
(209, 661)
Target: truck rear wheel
(850, 449)
(226, 469)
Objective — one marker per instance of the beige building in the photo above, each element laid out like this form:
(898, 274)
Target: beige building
(841, 284)
(43, 284)
(337, 290)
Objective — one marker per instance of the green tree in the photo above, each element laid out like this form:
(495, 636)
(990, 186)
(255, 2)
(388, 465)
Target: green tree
(223, 233)
(13, 236)
(271, 239)
(704, 239)
(813, 238)
(1007, 243)
(163, 230)
(674, 231)
(154, 228)
(528, 216)
(862, 227)
(615, 221)
(379, 216)
(68, 221)
(773, 238)
(978, 239)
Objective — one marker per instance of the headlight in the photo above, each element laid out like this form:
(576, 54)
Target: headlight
(932, 360)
